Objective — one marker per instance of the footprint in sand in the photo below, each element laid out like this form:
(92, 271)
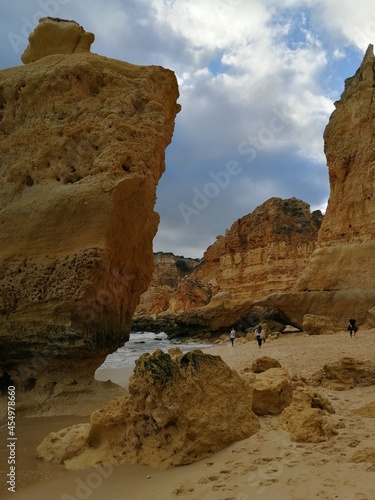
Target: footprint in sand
(275, 468)
(306, 453)
(249, 468)
(226, 474)
(238, 450)
(329, 482)
(182, 491)
(291, 463)
(205, 480)
(296, 481)
(354, 443)
(224, 487)
(268, 482)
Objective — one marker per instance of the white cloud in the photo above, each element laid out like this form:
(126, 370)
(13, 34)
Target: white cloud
(338, 54)
(355, 21)
(248, 70)
(213, 25)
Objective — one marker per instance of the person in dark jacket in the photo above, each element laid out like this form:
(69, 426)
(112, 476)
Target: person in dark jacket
(352, 327)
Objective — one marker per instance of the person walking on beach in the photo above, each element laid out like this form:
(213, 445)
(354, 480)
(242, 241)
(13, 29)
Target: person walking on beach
(259, 335)
(352, 327)
(232, 336)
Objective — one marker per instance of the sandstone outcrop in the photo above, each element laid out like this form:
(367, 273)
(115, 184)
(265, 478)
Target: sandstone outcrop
(264, 363)
(345, 374)
(317, 325)
(169, 271)
(338, 280)
(179, 411)
(272, 392)
(82, 148)
(308, 418)
(264, 251)
(64, 445)
(261, 253)
(56, 36)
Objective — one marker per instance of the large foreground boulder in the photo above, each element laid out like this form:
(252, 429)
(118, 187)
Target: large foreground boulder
(82, 148)
(179, 411)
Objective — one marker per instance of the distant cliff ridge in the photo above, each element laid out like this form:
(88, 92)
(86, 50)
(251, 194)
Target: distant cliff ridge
(168, 272)
(82, 147)
(261, 253)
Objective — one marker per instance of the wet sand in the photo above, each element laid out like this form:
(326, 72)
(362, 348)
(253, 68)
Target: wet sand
(118, 376)
(267, 466)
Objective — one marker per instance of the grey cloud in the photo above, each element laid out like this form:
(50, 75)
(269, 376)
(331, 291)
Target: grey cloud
(222, 115)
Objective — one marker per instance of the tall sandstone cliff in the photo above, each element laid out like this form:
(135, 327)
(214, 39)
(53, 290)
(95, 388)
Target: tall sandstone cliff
(339, 279)
(261, 253)
(82, 148)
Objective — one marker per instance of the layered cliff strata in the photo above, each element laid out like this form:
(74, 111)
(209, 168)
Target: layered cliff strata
(261, 253)
(169, 271)
(339, 279)
(264, 251)
(82, 147)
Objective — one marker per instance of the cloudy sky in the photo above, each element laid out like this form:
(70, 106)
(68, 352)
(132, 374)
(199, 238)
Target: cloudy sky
(257, 79)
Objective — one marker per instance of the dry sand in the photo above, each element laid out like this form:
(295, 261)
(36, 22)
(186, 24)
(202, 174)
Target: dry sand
(267, 466)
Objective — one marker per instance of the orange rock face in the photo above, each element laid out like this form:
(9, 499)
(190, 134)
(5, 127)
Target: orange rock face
(347, 233)
(168, 272)
(339, 279)
(350, 156)
(264, 251)
(82, 144)
(261, 253)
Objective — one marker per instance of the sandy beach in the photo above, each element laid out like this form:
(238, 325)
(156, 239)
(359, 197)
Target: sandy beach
(267, 465)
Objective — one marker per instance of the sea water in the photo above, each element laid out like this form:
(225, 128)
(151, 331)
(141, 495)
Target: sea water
(142, 342)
